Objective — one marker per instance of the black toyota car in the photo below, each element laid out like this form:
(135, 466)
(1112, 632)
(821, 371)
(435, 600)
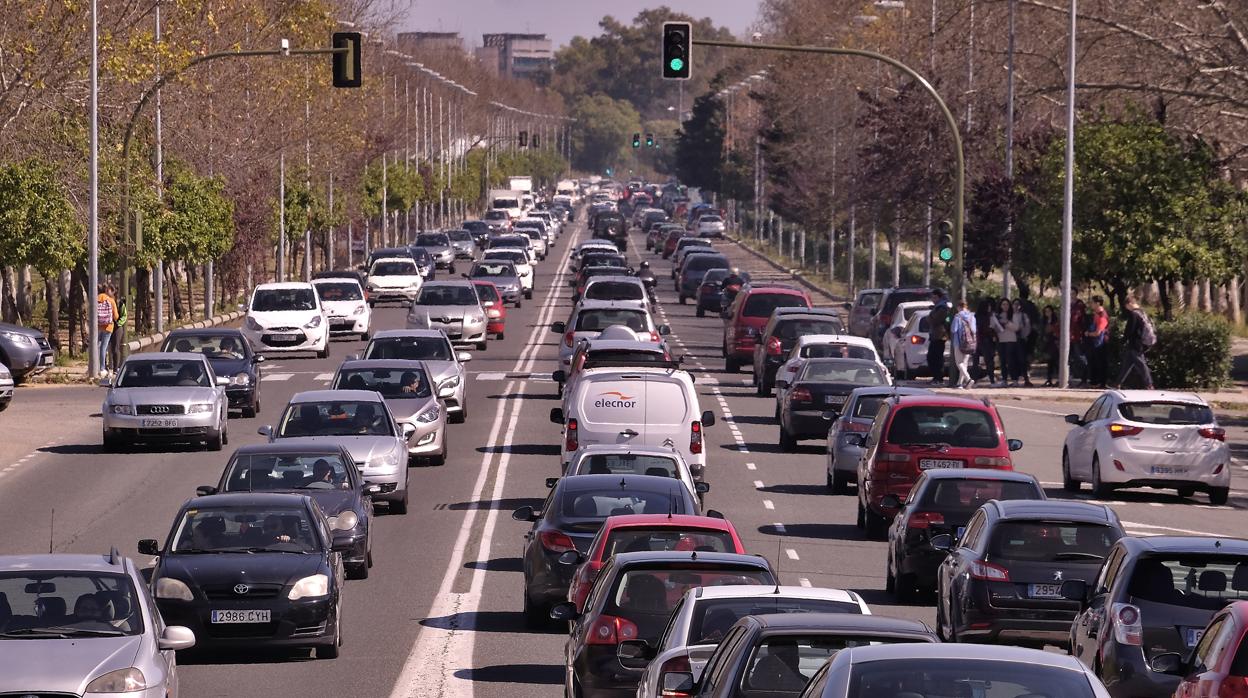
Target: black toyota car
(326, 473)
(251, 570)
(231, 357)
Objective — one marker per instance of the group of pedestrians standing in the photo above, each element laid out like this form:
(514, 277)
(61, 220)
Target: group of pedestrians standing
(111, 317)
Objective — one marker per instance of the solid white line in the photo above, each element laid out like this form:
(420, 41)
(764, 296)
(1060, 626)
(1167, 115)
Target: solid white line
(768, 504)
(1029, 409)
(1187, 531)
(791, 553)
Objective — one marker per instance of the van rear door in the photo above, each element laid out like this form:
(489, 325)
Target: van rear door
(612, 410)
(667, 413)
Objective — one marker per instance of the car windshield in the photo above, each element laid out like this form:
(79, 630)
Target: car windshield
(493, 269)
(636, 539)
(422, 256)
(782, 665)
(655, 591)
(339, 290)
(951, 496)
(515, 256)
(214, 346)
(762, 304)
(836, 351)
(59, 604)
(712, 618)
(614, 291)
(268, 300)
(403, 268)
(714, 276)
(392, 383)
(335, 418)
(486, 293)
(447, 295)
(242, 528)
(1166, 413)
(627, 463)
(410, 348)
(496, 216)
(1050, 541)
(869, 300)
(287, 471)
(432, 240)
(712, 219)
(459, 235)
(603, 260)
(1191, 580)
(963, 427)
(138, 373)
(476, 226)
(842, 372)
(598, 319)
(510, 241)
(906, 677)
(600, 503)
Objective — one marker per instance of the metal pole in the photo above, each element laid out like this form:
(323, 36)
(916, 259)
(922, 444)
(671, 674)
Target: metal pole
(1009, 146)
(281, 216)
(329, 233)
(93, 236)
(159, 280)
(849, 251)
(384, 180)
(1068, 205)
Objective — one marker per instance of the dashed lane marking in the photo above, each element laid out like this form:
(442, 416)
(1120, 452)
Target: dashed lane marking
(1029, 409)
(791, 553)
(768, 504)
(272, 377)
(751, 466)
(804, 582)
(779, 527)
(324, 377)
(758, 484)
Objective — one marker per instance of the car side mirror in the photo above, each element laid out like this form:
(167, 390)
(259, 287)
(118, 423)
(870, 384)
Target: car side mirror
(463, 357)
(702, 487)
(829, 415)
(524, 514)
(257, 358)
(634, 654)
(1075, 590)
(782, 383)
(942, 542)
(571, 557)
(664, 330)
(149, 546)
(558, 327)
(105, 382)
(551, 482)
(176, 637)
(266, 430)
(714, 514)
(1073, 419)
(223, 381)
(847, 306)
(408, 429)
(556, 415)
(708, 418)
(1165, 663)
(677, 683)
(890, 501)
(1014, 444)
(559, 376)
(205, 490)
(565, 611)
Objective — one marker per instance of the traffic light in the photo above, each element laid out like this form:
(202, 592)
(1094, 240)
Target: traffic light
(649, 140)
(677, 41)
(636, 140)
(346, 64)
(524, 139)
(945, 249)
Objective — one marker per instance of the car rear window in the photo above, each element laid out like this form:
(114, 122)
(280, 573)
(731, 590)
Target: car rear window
(837, 372)
(627, 463)
(762, 304)
(869, 300)
(867, 406)
(782, 665)
(896, 298)
(1051, 541)
(599, 319)
(338, 290)
(792, 329)
(1190, 580)
(894, 678)
(599, 504)
(410, 348)
(655, 591)
(432, 240)
(702, 262)
(637, 539)
(625, 355)
(837, 351)
(712, 618)
(487, 293)
(614, 290)
(963, 427)
(965, 496)
(1166, 413)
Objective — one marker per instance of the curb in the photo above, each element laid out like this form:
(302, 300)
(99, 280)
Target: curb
(795, 274)
(1079, 396)
(149, 340)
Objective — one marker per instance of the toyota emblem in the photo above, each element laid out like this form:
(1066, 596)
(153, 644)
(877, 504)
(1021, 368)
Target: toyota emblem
(241, 589)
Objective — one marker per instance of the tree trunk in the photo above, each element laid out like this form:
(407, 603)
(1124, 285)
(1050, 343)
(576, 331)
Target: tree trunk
(8, 301)
(175, 290)
(50, 292)
(1232, 297)
(142, 301)
(1193, 295)
(1163, 295)
(189, 269)
(77, 301)
(1206, 296)
(25, 304)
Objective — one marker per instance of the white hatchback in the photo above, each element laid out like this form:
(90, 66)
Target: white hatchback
(825, 346)
(345, 305)
(910, 350)
(287, 317)
(1147, 438)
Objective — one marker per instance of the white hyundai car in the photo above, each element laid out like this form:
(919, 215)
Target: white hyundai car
(1147, 438)
(345, 305)
(394, 279)
(287, 317)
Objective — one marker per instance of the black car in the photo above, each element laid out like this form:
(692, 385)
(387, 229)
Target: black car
(424, 263)
(601, 259)
(775, 655)
(1153, 596)
(251, 570)
(610, 225)
(25, 351)
(692, 268)
(943, 501)
(780, 335)
(571, 516)
(1003, 581)
(815, 396)
(324, 472)
(630, 604)
(480, 232)
(231, 357)
(710, 294)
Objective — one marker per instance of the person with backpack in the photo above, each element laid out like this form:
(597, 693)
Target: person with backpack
(1137, 337)
(1096, 340)
(964, 344)
(105, 319)
(938, 321)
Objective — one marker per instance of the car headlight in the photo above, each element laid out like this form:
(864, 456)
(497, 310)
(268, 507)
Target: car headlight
(493, 313)
(429, 414)
(389, 461)
(313, 323)
(359, 310)
(20, 338)
(120, 681)
(199, 408)
(311, 586)
(251, 324)
(170, 588)
(345, 521)
(452, 382)
(122, 409)
(240, 379)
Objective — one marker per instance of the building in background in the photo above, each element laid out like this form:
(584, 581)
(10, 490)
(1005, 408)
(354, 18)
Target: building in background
(527, 56)
(415, 42)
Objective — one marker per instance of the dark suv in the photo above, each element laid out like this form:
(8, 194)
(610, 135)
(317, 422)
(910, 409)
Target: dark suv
(25, 351)
(781, 333)
(1153, 596)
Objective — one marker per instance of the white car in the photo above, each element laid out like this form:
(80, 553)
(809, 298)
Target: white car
(287, 317)
(538, 236)
(1147, 438)
(705, 615)
(524, 268)
(825, 346)
(622, 459)
(345, 305)
(6, 387)
(394, 279)
(910, 351)
(711, 227)
(589, 318)
(164, 397)
(901, 316)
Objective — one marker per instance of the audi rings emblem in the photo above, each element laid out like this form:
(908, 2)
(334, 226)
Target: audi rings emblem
(241, 589)
(159, 409)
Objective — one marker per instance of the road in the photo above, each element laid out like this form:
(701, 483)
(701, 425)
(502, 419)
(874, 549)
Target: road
(440, 614)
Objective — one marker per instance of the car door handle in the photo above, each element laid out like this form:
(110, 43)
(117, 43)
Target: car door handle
(628, 432)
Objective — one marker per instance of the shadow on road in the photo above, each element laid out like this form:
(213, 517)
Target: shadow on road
(761, 419)
(505, 504)
(98, 449)
(248, 656)
(523, 449)
(796, 489)
(498, 564)
(491, 622)
(834, 531)
(544, 674)
(1168, 497)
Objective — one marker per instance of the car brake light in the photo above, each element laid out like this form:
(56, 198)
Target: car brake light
(677, 664)
(1127, 627)
(887, 457)
(1119, 430)
(916, 339)
(988, 571)
(567, 338)
(570, 440)
(1215, 433)
(557, 541)
(654, 336)
(992, 462)
(611, 630)
(695, 437)
(856, 428)
(773, 346)
(801, 395)
(924, 519)
(1233, 687)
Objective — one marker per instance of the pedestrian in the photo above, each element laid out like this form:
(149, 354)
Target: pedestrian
(1078, 357)
(118, 345)
(964, 344)
(938, 334)
(1026, 346)
(1137, 337)
(1097, 343)
(1006, 326)
(1050, 335)
(105, 317)
(987, 339)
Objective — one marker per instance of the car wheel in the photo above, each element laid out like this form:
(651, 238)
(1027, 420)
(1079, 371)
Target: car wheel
(861, 521)
(215, 441)
(331, 650)
(1219, 495)
(701, 312)
(249, 411)
(225, 432)
(535, 616)
(481, 345)
(324, 353)
(399, 506)
(440, 459)
(458, 417)
(528, 295)
(363, 336)
(890, 581)
(1069, 483)
(112, 444)
(788, 444)
(358, 571)
(876, 525)
(499, 337)
(517, 303)
(763, 389)
(1100, 489)
(904, 588)
(840, 483)
(731, 365)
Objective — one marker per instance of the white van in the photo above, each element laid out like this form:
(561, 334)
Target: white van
(636, 407)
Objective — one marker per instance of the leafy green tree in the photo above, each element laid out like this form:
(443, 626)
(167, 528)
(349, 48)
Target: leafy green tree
(700, 145)
(37, 222)
(199, 221)
(604, 131)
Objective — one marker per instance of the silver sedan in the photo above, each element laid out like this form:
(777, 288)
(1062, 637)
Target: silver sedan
(454, 308)
(165, 397)
(446, 365)
(407, 387)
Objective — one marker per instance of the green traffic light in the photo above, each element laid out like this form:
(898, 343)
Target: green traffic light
(946, 254)
(676, 64)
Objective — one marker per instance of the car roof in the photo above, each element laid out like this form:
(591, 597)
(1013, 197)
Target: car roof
(1156, 396)
(779, 289)
(614, 277)
(647, 557)
(941, 400)
(167, 356)
(907, 305)
(391, 334)
(205, 332)
(337, 395)
(677, 373)
(1027, 509)
(234, 499)
(597, 344)
(282, 286)
(595, 304)
(665, 521)
(61, 562)
(766, 591)
(840, 621)
(961, 651)
(1187, 544)
(404, 258)
(978, 474)
(848, 339)
(283, 446)
(612, 481)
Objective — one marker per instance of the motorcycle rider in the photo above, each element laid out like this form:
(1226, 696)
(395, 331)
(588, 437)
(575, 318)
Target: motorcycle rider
(733, 279)
(647, 279)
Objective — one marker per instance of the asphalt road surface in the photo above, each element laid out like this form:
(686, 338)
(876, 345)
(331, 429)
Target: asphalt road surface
(440, 614)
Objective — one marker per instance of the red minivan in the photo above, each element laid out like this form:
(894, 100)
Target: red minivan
(913, 433)
(1218, 665)
(745, 319)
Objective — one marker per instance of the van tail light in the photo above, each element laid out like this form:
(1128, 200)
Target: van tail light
(1231, 687)
(1128, 630)
(679, 664)
(855, 427)
(916, 339)
(992, 462)
(695, 437)
(654, 336)
(567, 338)
(925, 519)
(773, 346)
(989, 572)
(611, 630)
(887, 457)
(1120, 430)
(556, 541)
(1215, 433)
(571, 442)
(801, 395)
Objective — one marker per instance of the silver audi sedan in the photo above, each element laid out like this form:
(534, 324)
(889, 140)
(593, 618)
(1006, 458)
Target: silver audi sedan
(162, 397)
(454, 308)
(407, 387)
(445, 365)
(358, 420)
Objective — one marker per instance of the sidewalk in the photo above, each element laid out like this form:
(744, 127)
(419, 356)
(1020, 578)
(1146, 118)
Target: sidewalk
(1226, 399)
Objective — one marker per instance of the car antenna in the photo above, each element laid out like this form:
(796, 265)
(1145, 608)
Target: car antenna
(51, 529)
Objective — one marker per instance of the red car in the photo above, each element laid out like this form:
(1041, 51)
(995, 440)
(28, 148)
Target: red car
(1218, 666)
(642, 532)
(748, 315)
(495, 308)
(923, 432)
(669, 245)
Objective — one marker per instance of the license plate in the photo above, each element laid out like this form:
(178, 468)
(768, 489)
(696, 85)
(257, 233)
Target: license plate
(834, 399)
(1044, 591)
(1192, 635)
(159, 423)
(47, 360)
(936, 463)
(1168, 470)
(283, 337)
(239, 616)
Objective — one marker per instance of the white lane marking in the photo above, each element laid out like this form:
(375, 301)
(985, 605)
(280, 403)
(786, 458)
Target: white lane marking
(758, 484)
(804, 582)
(1029, 409)
(791, 553)
(1186, 531)
(779, 527)
(1155, 504)
(768, 504)
(751, 466)
(747, 381)
(276, 377)
(324, 377)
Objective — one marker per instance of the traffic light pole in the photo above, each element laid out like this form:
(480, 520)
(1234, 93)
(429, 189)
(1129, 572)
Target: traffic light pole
(959, 210)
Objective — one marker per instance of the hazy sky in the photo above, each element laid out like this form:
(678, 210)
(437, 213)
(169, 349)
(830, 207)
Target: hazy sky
(559, 19)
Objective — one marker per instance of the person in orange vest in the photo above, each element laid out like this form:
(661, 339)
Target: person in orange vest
(105, 318)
